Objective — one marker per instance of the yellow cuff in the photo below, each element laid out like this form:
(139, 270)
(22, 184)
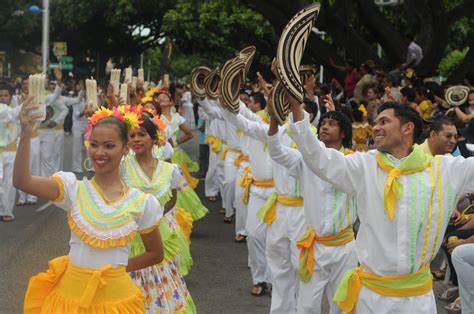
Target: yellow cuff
(60, 183)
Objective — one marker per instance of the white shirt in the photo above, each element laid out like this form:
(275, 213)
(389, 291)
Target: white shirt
(412, 239)
(148, 213)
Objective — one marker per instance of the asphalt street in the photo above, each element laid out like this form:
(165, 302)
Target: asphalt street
(219, 280)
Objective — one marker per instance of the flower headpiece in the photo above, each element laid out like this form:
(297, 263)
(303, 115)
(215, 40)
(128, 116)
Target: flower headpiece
(363, 110)
(162, 90)
(160, 130)
(129, 115)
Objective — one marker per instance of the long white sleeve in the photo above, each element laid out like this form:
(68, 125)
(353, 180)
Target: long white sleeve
(343, 171)
(8, 114)
(214, 112)
(51, 98)
(285, 156)
(255, 130)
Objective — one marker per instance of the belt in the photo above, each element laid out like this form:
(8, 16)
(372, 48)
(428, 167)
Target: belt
(408, 285)
(240, 159)
(268, 211)
(9, 148)
(306, 246)
(215, 143)
(229, 149)
(247, 181)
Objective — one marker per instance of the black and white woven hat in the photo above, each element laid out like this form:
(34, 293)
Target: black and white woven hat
(231, 79)
(248, 53)
(197, 80)
(291, 48)
(211, 83)
(456, 95)
(306, 71)
(280, 105)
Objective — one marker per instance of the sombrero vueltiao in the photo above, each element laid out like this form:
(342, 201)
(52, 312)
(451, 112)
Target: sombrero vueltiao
(247, 54)
(306, 71)
(211, 83)
(197, 80)
(231, 79)
(456, 95)
(291, 47)
(280, 104)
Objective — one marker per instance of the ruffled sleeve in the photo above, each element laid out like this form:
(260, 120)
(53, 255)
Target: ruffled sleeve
(180, 120)
(152, 213)
(67, 182)
(176, 176)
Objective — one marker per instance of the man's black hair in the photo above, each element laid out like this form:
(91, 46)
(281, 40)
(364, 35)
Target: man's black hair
(344, 123)
(409, 93)
(6, 86)
(437, 123)
(406, 114)
(259, 98)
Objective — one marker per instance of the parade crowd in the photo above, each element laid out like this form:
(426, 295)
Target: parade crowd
(345, 190)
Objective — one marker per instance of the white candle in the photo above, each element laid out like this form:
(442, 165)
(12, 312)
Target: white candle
(91, 94)
(115, 80)
(128, 75)
(123, 93)
(145, 86)
(141, 75)
(134, 82)
(36, 88)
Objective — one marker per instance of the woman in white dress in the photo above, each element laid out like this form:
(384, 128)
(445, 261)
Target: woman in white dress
(188, 108)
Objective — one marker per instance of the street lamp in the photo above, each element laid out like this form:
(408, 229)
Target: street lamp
(45, 38)
(321, 67)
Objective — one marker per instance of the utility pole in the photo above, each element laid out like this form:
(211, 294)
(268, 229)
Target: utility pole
(45, 44)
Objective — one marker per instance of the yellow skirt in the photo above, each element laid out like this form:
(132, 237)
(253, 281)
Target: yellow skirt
(67, 288)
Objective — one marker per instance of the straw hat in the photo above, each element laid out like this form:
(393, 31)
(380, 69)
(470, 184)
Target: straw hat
(291, 47)
(280, 105)
(231, 79)
(456, 95)
(306, 71)
(197, 80)
(211, 83)
(247, 54)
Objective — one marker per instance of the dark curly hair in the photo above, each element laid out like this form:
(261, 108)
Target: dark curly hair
(344, 124)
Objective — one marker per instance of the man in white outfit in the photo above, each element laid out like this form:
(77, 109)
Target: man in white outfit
(405, 199)
(79, 125)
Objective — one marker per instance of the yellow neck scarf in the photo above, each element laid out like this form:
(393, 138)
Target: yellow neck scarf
(417, 161)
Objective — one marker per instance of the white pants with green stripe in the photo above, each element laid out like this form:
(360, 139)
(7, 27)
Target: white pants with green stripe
(330, 264)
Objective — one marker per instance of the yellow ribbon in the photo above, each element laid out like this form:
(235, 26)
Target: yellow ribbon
(306, 246)
(268, 211)
(193, 182)
(408, 285)
(228, 149)
(215, 143)
(238, 161)
(247, 181)
(393, 187)
(95, 282)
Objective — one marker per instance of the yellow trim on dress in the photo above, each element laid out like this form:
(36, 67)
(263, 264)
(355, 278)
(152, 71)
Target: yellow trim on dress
(60, 183)
(148, 230)
(98, 243)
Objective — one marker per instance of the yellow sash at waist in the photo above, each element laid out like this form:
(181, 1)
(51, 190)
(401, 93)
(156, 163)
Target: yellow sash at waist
(407, 285)
(247, 181)
(306, 246)
(215, 143)
(228, 149)
(9, 148)
(240, 159)
(268, 211)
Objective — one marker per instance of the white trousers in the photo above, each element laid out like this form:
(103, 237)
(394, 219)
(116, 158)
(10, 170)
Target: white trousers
(282, 256)
(257, 235)
(230, 175)
(330, 264)
(47, 149)
(8, 192)
(240, 206)
(211, 182)
(221, 178)
(58, 150)
(78, 150)
(463, 261)
(35, 168)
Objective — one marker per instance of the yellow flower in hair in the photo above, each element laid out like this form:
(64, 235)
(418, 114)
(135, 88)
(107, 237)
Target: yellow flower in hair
(132, 120)
(100, 114)
(364, 111)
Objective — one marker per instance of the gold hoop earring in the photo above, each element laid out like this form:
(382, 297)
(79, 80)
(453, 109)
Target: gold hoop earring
(88, 164)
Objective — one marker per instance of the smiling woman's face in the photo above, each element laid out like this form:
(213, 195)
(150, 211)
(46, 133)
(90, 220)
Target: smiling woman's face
(106, 148)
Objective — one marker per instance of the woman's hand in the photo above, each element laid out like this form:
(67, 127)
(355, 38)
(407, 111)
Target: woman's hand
(27, 115)
(451, 246)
